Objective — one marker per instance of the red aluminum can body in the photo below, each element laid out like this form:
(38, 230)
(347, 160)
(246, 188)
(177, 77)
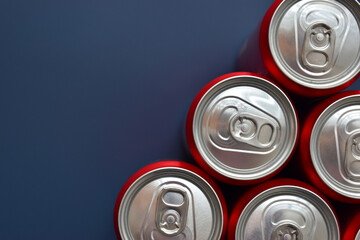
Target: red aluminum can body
(319, 141)
(286, 196)
(215, 119)
(352, 230)
(169, 185)
(257, 55)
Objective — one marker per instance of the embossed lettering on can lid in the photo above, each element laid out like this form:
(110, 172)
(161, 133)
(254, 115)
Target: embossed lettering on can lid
(170, 203)
(287, 212)
(335, 146)
(316, 43)
(245, 127)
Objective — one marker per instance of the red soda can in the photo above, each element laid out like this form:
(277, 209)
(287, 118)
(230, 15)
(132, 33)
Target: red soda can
(241, 128)
(170, 200)
(330, 146)
(311, 47)
(352, 229)
(283, 209)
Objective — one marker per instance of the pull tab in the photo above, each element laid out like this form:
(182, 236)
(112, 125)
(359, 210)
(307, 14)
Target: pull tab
(352, 156)
(288, 219)
(286, 232)
(171, 210)
(253, 130)
(318, 49)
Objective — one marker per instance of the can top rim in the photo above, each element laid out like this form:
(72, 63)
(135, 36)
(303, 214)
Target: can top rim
(241, 81)
(174, 172)
(339, 181)
(343, 68)
(287, 192)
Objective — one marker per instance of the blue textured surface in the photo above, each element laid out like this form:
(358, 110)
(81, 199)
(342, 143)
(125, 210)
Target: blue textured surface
(91, 91)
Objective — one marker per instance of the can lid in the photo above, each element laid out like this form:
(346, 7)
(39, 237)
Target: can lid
(245, 127)
(316, 43)
(335, 146)
(170, 203)
(287, 212)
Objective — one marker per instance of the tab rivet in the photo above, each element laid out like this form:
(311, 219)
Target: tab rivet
(286, 232)
(320, 37)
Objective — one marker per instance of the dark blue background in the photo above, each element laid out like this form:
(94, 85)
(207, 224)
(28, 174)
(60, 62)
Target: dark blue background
(91, 91)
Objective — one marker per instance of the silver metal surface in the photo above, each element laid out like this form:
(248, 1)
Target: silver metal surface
(170, 203)
(357, 236)
(316, 43)
(287, 213)
(245, 127)
(335, 146)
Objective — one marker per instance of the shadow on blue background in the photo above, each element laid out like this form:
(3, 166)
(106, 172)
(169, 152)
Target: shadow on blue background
(91, 91)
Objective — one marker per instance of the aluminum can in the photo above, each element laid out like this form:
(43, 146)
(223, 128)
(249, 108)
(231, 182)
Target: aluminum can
(283, 209)
(352, 229)
(241, 128)
(311, 47)
(170, 200)
(330, 146)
